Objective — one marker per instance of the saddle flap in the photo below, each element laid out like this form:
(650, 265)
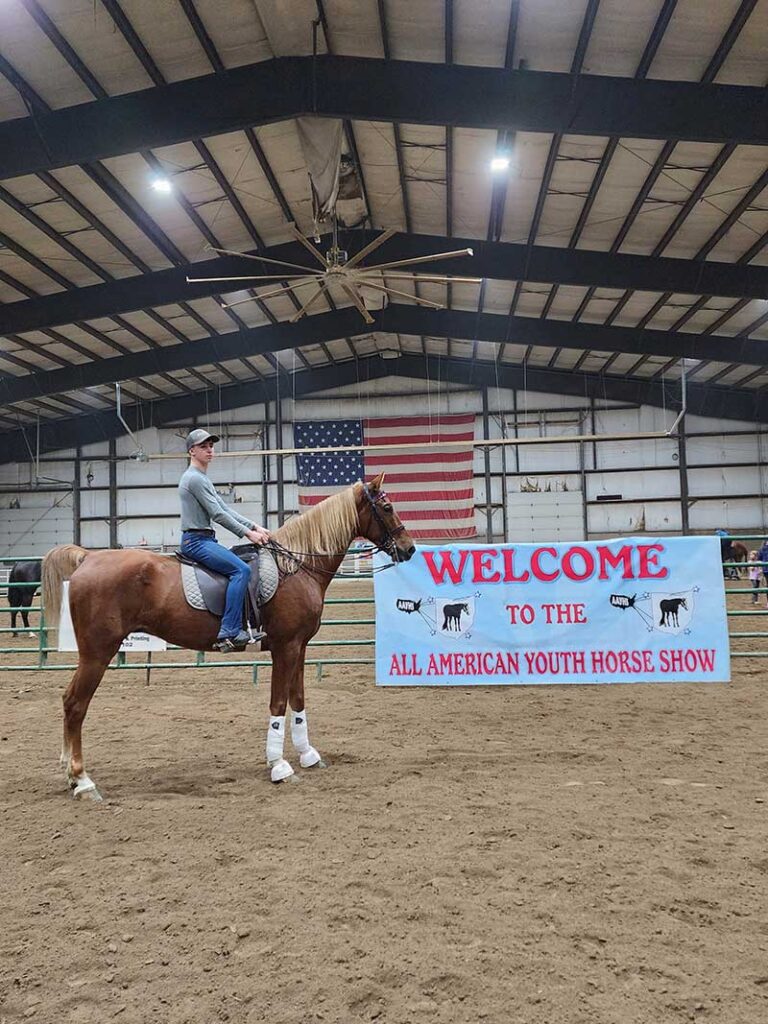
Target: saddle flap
(206, 590)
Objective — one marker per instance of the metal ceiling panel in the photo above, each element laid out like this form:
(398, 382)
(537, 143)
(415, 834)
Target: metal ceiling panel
(354, 27)
(619, 36)
(376, 146)
(236, 32)
(36, 59)
(693, 35)
(547, 33)
(417, 30)
(624, 178)
(480, 31)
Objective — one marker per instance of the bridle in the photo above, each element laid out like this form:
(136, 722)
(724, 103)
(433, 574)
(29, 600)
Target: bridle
(387, 543)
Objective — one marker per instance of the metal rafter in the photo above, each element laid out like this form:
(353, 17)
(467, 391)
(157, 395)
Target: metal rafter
(395, 319)
(703, 400)
(577, 63)
(651, 48)
(198, 27)
(501, 260)
(361, 88)
(98, 174)
(659, 165)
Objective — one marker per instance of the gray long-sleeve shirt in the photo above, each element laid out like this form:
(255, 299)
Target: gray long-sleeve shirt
(200, 504)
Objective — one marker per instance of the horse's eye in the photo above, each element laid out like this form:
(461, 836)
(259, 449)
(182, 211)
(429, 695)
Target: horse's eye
(387, 507)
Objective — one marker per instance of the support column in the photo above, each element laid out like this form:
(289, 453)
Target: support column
(279, 458)
(487, 464)
(682, 462)
(265, 469)
(113, 493)
(76, 498)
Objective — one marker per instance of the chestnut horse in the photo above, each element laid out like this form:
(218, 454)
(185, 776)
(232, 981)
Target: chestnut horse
(113, 593)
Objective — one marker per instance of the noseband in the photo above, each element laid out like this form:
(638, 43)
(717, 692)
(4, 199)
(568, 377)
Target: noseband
(387, 543)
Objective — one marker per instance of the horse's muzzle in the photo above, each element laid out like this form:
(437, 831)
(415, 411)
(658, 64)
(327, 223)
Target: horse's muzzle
(405, 556)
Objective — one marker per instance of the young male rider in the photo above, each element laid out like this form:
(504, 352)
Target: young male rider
(200, 504)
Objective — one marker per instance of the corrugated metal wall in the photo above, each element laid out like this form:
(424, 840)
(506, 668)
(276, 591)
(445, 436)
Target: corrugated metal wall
(577, 489)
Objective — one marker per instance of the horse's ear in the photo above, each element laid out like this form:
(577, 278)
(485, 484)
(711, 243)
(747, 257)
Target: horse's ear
(376, 484)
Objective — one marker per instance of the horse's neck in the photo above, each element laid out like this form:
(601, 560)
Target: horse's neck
(328, 565)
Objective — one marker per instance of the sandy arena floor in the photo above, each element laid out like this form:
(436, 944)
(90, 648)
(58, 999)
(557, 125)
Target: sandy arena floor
(520, 856)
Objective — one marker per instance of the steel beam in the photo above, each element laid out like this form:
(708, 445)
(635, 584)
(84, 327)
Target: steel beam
(66, 433)
(493, 260)
(379, 90)
(395, 319)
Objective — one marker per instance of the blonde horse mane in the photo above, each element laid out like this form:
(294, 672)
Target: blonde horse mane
(325, 529)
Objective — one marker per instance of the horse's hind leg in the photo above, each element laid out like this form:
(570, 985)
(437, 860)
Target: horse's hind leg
(77, 697)
(308, 756)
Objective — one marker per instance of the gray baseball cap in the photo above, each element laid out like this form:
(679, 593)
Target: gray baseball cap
(198, 436)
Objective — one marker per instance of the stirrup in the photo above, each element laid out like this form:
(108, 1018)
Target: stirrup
(227, 644)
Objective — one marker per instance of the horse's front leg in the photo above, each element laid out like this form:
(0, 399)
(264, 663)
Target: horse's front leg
(308, 756)
(284, 660)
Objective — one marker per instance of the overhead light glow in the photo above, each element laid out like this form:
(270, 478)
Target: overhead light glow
(163, 185)
(500, 163)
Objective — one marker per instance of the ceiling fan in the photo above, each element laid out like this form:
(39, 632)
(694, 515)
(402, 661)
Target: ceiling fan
(337, 268)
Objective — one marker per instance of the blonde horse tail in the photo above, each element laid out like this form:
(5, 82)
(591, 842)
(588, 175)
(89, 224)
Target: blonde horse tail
(58, 565)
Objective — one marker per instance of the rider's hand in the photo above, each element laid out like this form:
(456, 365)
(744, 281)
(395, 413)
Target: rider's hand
(258, 535)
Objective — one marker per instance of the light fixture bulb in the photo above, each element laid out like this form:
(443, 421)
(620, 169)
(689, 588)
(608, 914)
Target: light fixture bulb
(500, 163)
(163, 185)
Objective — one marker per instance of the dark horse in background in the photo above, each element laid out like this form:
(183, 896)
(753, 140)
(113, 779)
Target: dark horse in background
(112, 593)
(23, 596)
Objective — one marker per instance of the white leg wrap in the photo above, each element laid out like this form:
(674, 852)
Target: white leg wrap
(299, 732)
(308, 756)
(279, 767)
(275, 738)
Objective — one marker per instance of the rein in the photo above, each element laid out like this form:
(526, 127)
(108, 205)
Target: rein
(387, 544)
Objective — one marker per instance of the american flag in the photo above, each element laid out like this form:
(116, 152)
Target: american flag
(432, 489)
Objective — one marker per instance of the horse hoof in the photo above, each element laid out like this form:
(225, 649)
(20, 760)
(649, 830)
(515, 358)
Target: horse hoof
(85, 789)
(280, 771)
(311, 759)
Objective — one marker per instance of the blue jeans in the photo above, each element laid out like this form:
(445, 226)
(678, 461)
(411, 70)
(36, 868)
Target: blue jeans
(208, 552)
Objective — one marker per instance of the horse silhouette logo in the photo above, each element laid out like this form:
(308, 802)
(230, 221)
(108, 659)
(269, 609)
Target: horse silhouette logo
(452, 616)
(672, 613)
(455, 617)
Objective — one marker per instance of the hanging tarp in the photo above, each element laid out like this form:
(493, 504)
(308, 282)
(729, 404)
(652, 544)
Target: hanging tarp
(321, 145)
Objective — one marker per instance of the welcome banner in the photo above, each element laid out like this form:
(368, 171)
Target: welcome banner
(631, 610)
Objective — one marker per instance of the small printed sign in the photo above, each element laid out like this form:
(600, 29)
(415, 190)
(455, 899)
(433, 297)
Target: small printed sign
(133, 642)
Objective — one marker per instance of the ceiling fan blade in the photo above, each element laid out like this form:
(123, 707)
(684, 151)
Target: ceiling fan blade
(355, 296)
(425, 278)
(260, 295)
(423, 259)
(360, 256)
(309, 303)
(308, 245)
(404, 295)
(259, 277)
(262, 259)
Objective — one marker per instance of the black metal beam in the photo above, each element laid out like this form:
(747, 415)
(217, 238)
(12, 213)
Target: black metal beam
(368, 89)
(703, 400)
(82, 430)
(497, 260)
(395, 319)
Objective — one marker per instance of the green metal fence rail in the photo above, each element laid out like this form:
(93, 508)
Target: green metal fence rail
(42, 648)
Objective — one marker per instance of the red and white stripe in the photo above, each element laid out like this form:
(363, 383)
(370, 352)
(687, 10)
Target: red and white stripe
(432, 490)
